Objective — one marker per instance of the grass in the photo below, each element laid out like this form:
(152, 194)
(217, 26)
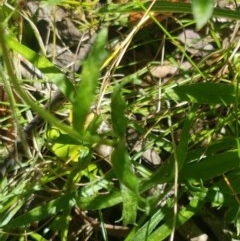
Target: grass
(83, 173)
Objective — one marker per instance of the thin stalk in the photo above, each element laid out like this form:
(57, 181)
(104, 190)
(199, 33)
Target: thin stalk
(15, 112)
(176, 177)
(103, 228)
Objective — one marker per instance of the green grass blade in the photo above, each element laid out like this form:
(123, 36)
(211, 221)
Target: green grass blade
(7, 216)
(182, 147)
(86, 91)
(166, 7)
(64, 203)
(43, 211)
(103, 228)
(183, 215)
(166, 173)
(143, 232)
(233, 216)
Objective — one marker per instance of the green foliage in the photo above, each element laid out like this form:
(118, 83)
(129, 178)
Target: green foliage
(44, 65)
(166, 7)
(199, 93)
(202, 11)
(86, 90)
(191, 120)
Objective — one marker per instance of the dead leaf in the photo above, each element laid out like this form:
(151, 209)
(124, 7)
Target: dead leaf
(194, 43)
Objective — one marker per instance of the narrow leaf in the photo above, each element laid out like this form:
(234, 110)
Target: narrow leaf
(204, 93)
(86, 91)
(65, 202)
(183, 216)
(143, 232)
(211, 166)
(182, 148)
(99, 201)
(122, 167)
(37, 237)
(43, 211)
(130, 203)
(202, 11)
(118, 106)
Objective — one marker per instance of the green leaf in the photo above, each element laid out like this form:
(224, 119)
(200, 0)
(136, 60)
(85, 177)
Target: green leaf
(182, 216)
(64, 203)
(9, 214)
(237, 222)
(118, 106)
(202, 11)
(211, 166)
(122, 167)
(43, 211)
(61, 223)
(143, 232)
(120, 159)
(99, 201)
(78, 171)
(182, 148)
(37, 237)
(86, 91)
(233, 215)
(234, 179)
(65, 147)
(204, 93)
(130, 203)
